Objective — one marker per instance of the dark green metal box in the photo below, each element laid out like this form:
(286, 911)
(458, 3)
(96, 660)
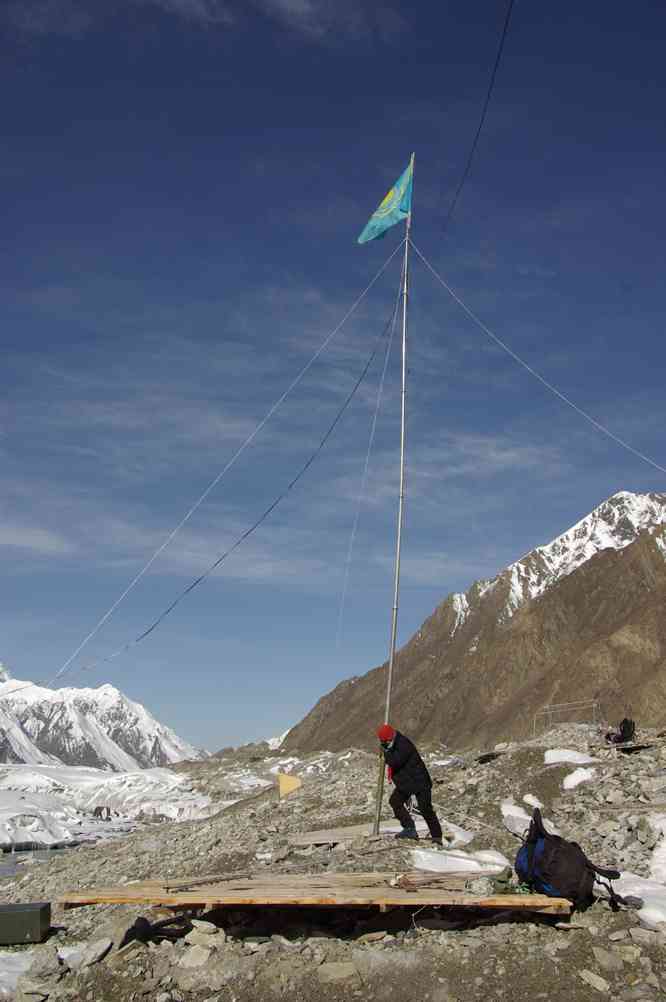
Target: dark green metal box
(24, 923)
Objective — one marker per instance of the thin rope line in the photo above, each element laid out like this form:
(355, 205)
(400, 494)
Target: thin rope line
(482, 120)
(169, 539)
(549, 386)
(364, 478)
(248, 532)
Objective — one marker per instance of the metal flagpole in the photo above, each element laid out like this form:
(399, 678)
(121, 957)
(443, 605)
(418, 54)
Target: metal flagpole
(401, 503)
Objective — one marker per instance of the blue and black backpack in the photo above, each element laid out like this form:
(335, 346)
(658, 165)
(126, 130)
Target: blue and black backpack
(551, 865)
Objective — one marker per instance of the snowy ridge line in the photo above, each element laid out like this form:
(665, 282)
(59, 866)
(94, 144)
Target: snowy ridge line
(90, 727)
(614, 524)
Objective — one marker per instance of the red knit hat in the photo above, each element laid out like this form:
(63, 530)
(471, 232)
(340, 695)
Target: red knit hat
(385, 732)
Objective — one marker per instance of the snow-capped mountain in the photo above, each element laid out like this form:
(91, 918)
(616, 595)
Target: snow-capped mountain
(613, 525)
(580, 617)
(99, 727)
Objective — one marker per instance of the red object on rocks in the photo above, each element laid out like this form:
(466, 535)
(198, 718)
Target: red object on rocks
(385, 732)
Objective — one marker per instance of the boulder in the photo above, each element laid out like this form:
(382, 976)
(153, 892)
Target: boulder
(198, 938)
(206, 927)
(196, 956)
(95, 951)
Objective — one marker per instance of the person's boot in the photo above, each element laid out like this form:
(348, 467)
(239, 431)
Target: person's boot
(408, 833)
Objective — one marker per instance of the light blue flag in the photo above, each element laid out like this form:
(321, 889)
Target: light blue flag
(396, 206)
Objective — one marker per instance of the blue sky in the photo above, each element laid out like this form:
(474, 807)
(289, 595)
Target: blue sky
(182, 184)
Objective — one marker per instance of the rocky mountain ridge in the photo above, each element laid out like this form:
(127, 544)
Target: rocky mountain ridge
(580, 617)
(98, 727)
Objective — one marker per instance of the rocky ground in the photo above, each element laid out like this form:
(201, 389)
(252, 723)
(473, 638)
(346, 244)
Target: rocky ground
(100, 954)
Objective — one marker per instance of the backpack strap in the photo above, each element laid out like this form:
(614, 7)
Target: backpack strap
(531, 850)
(606, 872)
(537, 829)
(615, 899)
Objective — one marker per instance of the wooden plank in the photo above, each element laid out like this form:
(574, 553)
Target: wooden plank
(333, 836)
(340, 890)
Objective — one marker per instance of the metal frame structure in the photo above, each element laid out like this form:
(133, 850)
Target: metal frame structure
(552, 710)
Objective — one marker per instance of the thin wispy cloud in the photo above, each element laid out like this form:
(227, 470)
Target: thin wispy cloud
(203, 12)
(34, 539)
(314, 20)
(71, 18)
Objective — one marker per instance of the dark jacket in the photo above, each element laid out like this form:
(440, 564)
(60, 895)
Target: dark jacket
(409, 771)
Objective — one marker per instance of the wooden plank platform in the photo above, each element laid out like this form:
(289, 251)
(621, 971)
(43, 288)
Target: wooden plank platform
(350, 890)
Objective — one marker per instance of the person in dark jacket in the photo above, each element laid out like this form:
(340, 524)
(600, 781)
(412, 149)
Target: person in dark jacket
(407, 770)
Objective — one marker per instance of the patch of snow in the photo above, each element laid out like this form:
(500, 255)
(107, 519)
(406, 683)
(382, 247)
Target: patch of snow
(285, 765)
(578, 776)
(243, 779)
(461, 610)
(517, 820)
(532, 801)
(12, 966)
(484, 863)
(658, 863)
(555, 756)
(612, 525)
(275, 743)
(661, 543)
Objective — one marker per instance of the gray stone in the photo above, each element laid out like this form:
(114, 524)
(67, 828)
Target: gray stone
(374, 963)
(643, 936)
(213, 975)
(95, 951)
(128, 952)
(206, 927)
(372, 937)
(285, 944)
(333, 972)
(616, 936)
(196, 956)
(205, 939)
(630, 954)
(31, 991)
(609, 962)
(615, 797)
(125, 928)
(594, 981)
(46, 966)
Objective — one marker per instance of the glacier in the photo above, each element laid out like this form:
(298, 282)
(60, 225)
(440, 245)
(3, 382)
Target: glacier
(48, 806)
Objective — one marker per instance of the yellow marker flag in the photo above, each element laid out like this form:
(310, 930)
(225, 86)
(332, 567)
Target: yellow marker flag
(287, 784)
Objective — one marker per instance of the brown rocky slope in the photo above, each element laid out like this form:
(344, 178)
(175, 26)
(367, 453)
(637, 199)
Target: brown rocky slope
(598, 632)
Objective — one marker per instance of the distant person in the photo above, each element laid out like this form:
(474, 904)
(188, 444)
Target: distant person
(625, 733)
(407, 771)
